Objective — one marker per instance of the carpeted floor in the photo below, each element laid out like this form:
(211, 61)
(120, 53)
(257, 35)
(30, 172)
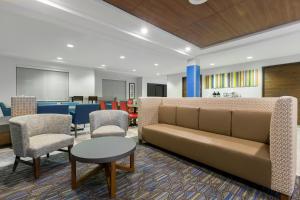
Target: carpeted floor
(158, 175)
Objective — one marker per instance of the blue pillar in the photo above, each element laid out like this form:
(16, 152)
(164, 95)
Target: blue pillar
(193, 80)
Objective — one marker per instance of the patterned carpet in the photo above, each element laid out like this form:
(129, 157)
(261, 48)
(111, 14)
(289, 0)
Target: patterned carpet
(159, 175)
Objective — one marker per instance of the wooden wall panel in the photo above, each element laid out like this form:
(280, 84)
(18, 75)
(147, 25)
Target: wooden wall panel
(215, 21)
(282, 80)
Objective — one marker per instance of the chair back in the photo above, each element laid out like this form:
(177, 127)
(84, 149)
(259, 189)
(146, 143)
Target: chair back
(82, 112)
(93, 99)
(102, 105)
(5, 110)
(130, 101)
(54, 109)
(123, 106)
(23, 105)
(114, 105)
(77, 98)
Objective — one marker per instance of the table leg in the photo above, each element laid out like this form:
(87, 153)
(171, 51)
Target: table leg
(73, 173)
(113, 179)
(127, 168)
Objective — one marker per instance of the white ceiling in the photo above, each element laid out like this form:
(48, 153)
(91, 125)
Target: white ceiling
(40, 30)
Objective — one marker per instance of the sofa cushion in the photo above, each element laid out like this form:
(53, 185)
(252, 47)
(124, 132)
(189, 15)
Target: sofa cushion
(109, 130)
(187, 117)
(244, 158)
(251, 125)
(167, 114)
(46, 143)
(215, 120)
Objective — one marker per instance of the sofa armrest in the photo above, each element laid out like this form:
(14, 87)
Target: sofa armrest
(148, 112)
(283, 137)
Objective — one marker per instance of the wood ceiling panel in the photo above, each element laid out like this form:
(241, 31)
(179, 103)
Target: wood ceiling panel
(211, 30)
(215, 21)
(126, 5)
(171, 14)
(256, 15)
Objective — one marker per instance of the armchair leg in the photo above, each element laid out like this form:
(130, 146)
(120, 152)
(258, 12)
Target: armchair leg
(69, 152)
(17, 160)
(36, 167)
(284, 197)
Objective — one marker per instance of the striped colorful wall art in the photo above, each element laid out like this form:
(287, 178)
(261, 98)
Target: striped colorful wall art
(246, 78)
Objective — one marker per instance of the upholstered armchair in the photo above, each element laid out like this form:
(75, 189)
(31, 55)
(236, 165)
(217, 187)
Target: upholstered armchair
(37, 135)
(108, 123)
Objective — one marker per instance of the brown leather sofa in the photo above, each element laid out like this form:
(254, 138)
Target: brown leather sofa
(236, 141)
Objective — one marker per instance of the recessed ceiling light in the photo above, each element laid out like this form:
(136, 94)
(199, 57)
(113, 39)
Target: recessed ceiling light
(134, 70)
(187, 49)
(197, 2)
(144, 30)
(249, 57)
(59, 58)
(212, 64)
(157, 74)
(156, 64)
(70, 45)
(103, 65)
(122, 57)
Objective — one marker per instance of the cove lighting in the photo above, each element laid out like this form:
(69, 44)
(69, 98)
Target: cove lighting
(122, 57)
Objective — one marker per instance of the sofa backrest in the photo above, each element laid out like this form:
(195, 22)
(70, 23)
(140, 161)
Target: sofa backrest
(167, 114)
(215, 120)
(187, 117)
(244, 124)
(251, 125)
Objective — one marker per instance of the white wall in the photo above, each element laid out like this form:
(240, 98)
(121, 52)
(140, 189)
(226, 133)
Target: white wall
(243, 91)
(81, 80)
(101, 74)
(174, 85)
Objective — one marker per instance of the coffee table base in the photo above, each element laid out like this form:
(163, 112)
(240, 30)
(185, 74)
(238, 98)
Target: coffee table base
(110, 173)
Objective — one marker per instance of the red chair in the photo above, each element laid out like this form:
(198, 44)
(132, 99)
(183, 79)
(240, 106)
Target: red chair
(131, 115)
(114, 105)
(123, 106)
(102, 105)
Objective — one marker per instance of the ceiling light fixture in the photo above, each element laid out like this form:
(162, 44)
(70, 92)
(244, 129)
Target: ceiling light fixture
(144, 30)
(212, 64)
(70, 45)
(156, 64)
(197, 2)
(59, 58)
(249, 57)
(134, 70)
(187, 49)
(103, 65)
(122, 57)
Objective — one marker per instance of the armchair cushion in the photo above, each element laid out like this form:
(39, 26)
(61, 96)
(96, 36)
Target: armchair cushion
(108, 130)
(45, 143)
